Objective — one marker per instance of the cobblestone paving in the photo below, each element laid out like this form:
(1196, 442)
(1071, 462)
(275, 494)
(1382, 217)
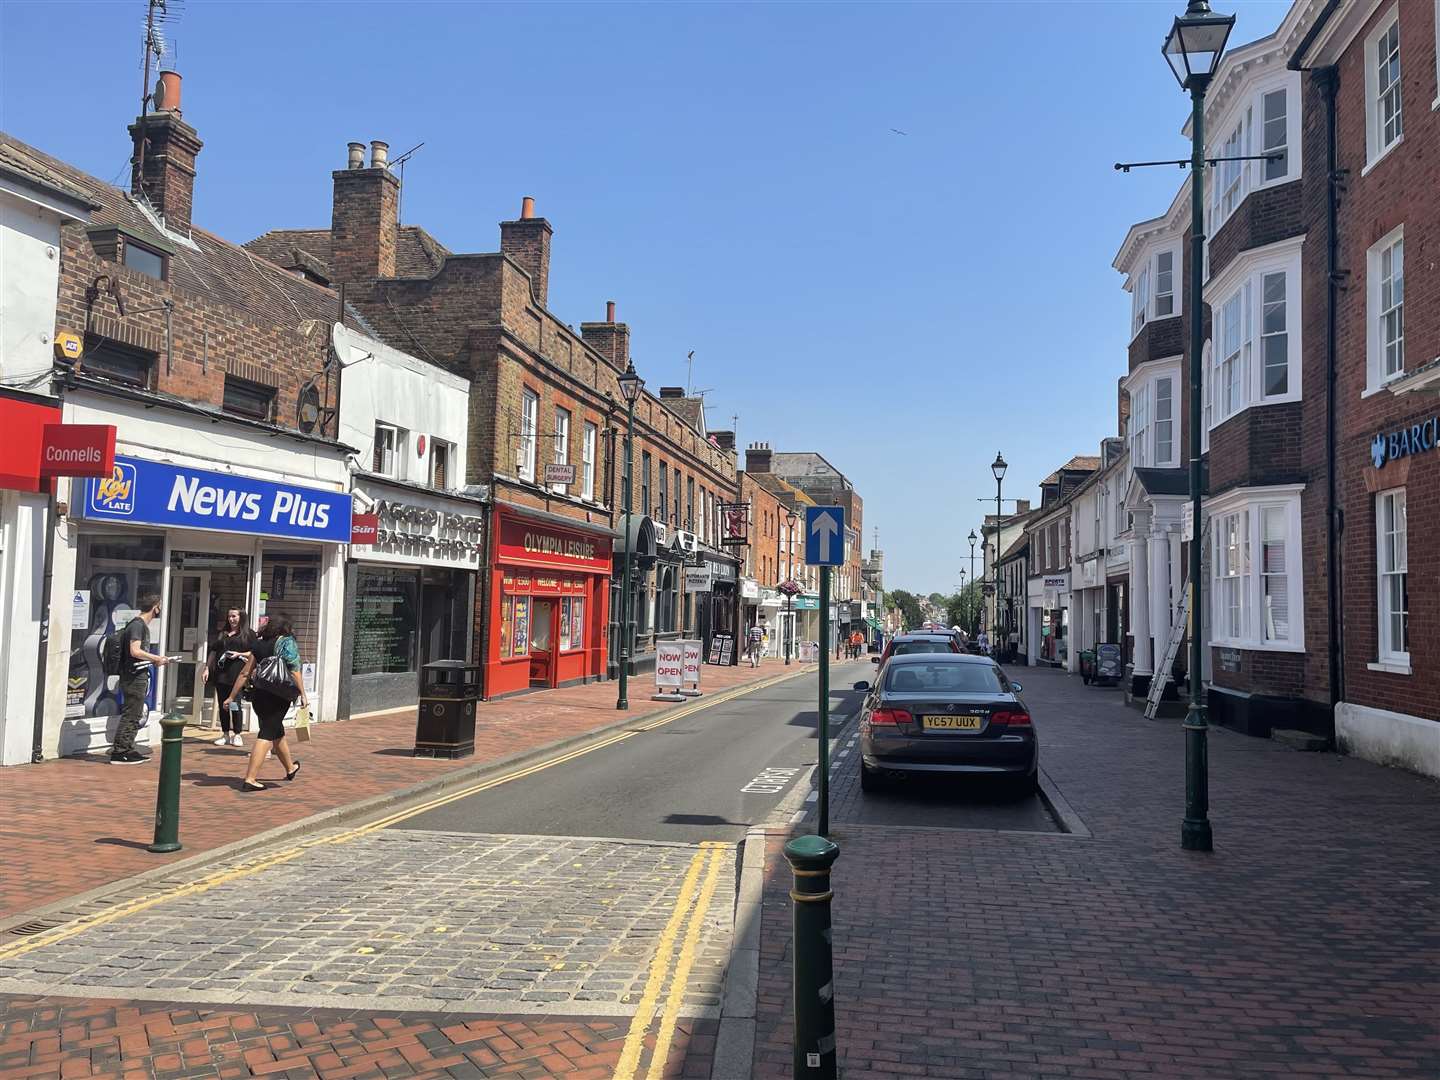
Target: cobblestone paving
(409, 920)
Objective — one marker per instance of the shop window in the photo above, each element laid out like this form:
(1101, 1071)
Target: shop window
(514, 626)
(146, 260)
(389, 457)
(587, 459)
(387, 621)
(120, 363)
(250, 399)
(572, 622)
(1393, 583)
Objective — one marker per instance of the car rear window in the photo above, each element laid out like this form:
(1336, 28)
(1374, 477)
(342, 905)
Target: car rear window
(904, 647)
(944, 678)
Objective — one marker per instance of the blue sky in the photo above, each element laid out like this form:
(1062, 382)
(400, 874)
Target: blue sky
(904, 304)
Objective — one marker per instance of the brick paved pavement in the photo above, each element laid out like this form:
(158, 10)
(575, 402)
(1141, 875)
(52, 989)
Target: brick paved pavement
(1308, 944)
(68, 1037)
(54, 849)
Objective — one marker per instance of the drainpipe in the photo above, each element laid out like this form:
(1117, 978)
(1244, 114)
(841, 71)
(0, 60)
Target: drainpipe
(1329, 80)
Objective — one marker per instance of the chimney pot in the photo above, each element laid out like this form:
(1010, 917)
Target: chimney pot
(356, 155)
(527, 208)
(379, 154)
(609, 311)
(170, 91)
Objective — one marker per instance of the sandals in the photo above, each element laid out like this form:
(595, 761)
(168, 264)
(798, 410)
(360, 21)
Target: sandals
(291, 774)
(246, 785)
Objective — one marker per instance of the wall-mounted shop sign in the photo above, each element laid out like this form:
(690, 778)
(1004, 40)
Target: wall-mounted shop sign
(697, 579)
(806, 603)
(1404, 442)
(140, 492)
(536, 544)
(1060, 582)
(425, 532)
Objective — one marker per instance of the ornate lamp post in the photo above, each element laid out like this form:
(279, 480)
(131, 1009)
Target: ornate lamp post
(630, 386)
(789, 588)
(997, 469)
(972, 538)
(1193, 49)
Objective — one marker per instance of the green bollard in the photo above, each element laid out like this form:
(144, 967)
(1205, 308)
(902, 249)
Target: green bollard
(167, 799)
(810, 858)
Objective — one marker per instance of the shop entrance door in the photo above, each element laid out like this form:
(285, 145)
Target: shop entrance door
(542, 648)
(186, 636)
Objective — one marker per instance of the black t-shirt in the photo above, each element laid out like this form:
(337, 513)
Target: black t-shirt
(135, 630)
(227, 669)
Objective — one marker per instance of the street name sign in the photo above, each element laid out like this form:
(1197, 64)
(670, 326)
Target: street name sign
(824, 535)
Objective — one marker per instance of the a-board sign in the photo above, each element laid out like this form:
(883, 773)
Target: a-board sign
(1108, 661)
(669, 663)
(691, 661)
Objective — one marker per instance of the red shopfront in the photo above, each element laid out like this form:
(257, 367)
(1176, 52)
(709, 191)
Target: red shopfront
(549, 600)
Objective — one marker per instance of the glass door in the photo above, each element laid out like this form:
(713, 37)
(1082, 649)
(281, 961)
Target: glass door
(186, 636)
(542, 659)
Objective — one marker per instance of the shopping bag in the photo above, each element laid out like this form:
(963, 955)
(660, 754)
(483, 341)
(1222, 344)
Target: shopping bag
(302, 725)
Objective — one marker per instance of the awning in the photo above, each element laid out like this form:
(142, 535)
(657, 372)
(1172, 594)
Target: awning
(875, 625)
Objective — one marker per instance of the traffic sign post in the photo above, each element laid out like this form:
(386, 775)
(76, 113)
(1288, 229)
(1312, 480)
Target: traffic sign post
(824, 547)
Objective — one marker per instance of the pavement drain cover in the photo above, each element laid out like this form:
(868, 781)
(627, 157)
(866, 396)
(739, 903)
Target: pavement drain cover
(29, 929)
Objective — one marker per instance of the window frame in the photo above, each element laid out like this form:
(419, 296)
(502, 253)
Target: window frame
(1172, 291)
(590, 436)
(1244, 125)
(239, 383)
(1142, 433)
(438, 448)
(100, 349)
(1375, 377)
(529, 434)
(1243, 605)
(398, 439)
(1244, 281)
(1387, 656)
(1375, 148)
(1284, 145)
(127, 243)
(561, 439)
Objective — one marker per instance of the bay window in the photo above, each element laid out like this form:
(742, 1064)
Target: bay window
(1267, 122)
(1255, 359)
(1152, 440)
(1392, 585)
(1256, 577)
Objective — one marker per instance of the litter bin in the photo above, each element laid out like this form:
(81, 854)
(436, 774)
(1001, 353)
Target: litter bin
(445, 727)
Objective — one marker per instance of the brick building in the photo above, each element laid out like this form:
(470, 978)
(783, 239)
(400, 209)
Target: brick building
(541, 394)
(230, 488)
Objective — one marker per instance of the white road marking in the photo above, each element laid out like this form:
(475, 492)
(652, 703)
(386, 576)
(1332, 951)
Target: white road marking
(770, 782)
(812, 796)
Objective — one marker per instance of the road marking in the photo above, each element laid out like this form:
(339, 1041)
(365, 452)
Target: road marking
(683, 965)
(771, 781)
(210, 881)
(660, 962)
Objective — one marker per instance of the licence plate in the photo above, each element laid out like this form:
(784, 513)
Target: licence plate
(952, 723)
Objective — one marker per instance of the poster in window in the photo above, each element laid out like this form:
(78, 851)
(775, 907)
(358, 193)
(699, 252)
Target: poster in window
(577, 623)
(507, 616)
(520, 637)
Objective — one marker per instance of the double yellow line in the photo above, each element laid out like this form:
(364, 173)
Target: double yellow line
(221, 877)
(675, 960)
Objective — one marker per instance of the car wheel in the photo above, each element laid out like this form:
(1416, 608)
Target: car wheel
(1029, 785)
(870, 779)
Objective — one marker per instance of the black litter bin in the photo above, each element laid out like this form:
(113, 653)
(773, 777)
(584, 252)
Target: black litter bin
(449, 691)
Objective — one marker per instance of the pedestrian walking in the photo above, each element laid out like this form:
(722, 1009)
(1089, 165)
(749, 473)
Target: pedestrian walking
(232, 640)
(274, 687)
(755, 643)
(136, 663)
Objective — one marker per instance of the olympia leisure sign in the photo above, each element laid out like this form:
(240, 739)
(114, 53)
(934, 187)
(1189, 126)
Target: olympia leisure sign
(1404, 442)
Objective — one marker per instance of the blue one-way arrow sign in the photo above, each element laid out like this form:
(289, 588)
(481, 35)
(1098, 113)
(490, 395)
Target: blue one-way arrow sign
(824, 535)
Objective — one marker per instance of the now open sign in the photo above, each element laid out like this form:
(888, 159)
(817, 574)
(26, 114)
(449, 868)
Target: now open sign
(669, 663)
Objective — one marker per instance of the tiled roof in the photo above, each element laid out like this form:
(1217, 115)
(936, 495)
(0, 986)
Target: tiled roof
(779, 488)
(1078, 463)
(417, 253)
(1020, 544)
(204, 263)
(691, 410)
(29, 167)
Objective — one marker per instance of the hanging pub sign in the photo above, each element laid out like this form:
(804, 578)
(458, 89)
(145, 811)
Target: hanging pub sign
(1404, 442)
(734, 524)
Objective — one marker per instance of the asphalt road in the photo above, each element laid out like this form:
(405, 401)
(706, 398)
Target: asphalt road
(685, 781)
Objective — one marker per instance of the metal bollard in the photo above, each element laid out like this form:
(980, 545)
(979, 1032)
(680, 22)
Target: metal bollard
(810, 859)
(167, 798)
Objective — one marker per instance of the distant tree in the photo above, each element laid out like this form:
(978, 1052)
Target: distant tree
(938, 600)
(909, 607)
(963, 609)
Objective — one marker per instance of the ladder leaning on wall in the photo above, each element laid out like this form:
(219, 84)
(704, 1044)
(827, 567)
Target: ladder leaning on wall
(1161, 678)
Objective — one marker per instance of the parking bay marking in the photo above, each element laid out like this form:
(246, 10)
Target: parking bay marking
(770, 782)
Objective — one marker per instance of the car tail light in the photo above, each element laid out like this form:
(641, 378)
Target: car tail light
(889, 718)
(1011, 718)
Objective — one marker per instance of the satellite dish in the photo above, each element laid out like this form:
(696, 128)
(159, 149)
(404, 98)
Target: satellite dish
(338, 342)
(158, 97)
(308, 407)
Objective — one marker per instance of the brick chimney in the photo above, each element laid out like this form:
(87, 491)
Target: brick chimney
(610, 339)
(672, 393)
(1022, 506)
(527, 241)
(725, 440)
(757, 457)
(364, 216)
(162, 169)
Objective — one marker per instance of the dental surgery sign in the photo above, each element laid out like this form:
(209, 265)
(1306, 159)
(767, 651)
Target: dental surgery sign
(151, 493)
(1404, 442)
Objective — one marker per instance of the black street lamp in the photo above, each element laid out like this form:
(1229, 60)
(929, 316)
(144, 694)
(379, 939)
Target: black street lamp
(997, 468)
(630, 386)
(972, 538)
(789, 588)
(1193, 49)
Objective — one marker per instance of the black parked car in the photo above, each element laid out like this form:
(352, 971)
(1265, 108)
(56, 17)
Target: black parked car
(948, 713)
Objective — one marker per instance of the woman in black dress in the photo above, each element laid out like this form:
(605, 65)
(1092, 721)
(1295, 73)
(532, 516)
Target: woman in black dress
(232, 640)
(276, 639)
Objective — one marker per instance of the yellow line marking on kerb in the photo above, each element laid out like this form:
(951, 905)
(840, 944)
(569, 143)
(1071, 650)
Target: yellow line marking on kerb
(211, 881)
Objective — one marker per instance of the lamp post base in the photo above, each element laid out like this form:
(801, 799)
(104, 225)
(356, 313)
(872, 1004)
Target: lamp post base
(1195, 834)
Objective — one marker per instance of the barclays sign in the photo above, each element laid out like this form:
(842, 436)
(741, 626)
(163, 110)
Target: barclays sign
(1404, 442)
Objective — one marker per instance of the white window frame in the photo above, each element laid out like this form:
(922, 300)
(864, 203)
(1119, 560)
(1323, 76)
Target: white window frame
(392, 442)
(1389, 656)
(1244, 126)
(1238, 292)
(562, 444)
(1140, 304)
(587, 458)
(1375, 343)
(1207, 359)
(1249, 506)
(448, 449)
(1376, 146)
(529, 419)
(1173, 293)
(1143, 431)
(1283, 145)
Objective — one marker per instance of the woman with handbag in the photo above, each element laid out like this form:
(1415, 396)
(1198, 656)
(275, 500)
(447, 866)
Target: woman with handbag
(272, 671)
(232, 641)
